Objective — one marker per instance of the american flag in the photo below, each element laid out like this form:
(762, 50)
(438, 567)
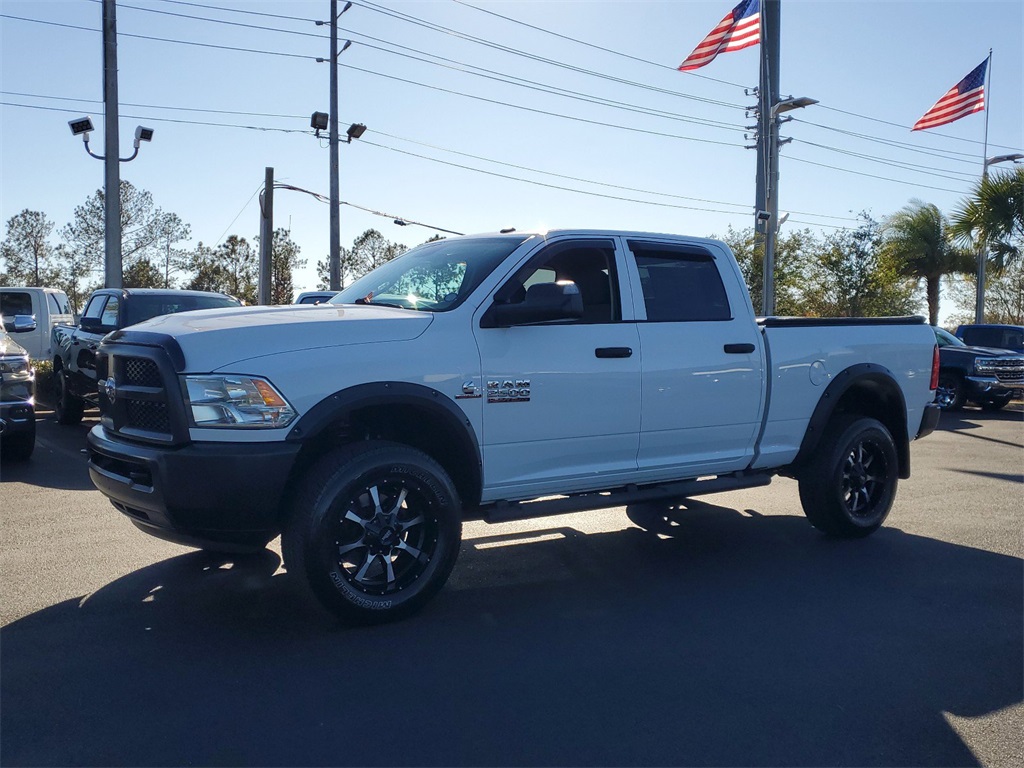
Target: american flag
(964, 98)
(740, 29)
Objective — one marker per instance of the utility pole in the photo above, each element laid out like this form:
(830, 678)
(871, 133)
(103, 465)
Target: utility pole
(112, 171)
(266, 236)
(335, 257)
(768, 148)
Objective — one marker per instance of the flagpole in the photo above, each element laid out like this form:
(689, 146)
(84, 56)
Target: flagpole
(979, 303)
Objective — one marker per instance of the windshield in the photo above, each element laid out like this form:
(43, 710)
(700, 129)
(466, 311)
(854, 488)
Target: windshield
(144, 307)
(433, 277)
(947, 339)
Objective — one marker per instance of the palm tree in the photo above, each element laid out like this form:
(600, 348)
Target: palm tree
(917, 238)
(994, 216)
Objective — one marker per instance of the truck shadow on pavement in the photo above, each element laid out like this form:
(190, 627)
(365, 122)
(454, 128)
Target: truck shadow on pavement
(742, 640)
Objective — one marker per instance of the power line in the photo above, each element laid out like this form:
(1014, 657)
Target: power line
(156, 106)
(872, 176)
(912, 167)
(945, 154)
(907, 127)
(533, 57)
(592, 45)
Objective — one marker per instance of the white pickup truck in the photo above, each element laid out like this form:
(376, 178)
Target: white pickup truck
(498, 377)
(47, 306)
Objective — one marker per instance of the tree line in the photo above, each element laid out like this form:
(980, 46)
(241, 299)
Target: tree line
(892, 266)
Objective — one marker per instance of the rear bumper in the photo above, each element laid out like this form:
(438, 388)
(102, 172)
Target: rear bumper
(929, 420)
(213, 495)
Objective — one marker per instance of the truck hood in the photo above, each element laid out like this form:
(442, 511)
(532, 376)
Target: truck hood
(214, 339)
(9, 346)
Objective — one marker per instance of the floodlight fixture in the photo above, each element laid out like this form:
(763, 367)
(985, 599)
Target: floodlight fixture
(355, 131)
(1004, 159)
(142, 134)
(789, 104)
(319, 121)
(81, 126)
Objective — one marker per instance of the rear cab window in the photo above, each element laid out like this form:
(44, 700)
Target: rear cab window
(680, 283)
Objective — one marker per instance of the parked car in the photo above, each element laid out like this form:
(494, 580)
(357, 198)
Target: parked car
(17, 393)
(315, 297)
(498, 377)
(48, 306)
(111, 309)
(1009, 337)
(982, 375)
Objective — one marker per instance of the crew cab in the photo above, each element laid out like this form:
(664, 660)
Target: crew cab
(498, 377)
(48, 307)
(108, 309)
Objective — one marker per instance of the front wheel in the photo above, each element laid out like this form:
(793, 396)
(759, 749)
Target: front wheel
(374, 531)
(848, 488)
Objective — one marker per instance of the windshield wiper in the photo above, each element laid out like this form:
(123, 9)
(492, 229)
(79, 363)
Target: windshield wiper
(373, 303)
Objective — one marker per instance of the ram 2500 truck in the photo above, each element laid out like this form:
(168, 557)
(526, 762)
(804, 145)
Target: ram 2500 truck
(74, 348)
(497, 376)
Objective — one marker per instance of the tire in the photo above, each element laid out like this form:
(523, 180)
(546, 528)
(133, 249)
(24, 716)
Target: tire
(848, 488)
(374, 531)
(19, 445)
(657, 517)
(997, 403)
(951, 392)
(68, 407)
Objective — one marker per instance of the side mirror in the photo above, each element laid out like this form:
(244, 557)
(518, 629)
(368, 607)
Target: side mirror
(92, 324)
(544, 302)
(24, 323)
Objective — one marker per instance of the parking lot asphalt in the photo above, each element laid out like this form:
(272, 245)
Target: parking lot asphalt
(747, 639)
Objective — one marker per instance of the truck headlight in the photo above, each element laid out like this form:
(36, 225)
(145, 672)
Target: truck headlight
(237, 401)
(15, 366)
(984, 365)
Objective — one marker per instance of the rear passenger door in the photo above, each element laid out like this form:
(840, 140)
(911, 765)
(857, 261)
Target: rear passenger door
(701, 364)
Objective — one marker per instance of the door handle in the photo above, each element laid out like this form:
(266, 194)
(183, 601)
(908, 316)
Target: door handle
(739, 349)
(613, 352)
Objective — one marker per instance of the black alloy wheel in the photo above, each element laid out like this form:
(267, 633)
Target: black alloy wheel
(374, 531)
(951, 392)
(849, 486)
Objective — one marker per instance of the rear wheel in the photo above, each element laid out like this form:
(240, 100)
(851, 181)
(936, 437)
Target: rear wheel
(374, 531)
(69, 408)
(848, 488)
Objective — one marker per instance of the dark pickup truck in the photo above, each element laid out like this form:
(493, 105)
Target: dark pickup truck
(983, 375)
(110, 309)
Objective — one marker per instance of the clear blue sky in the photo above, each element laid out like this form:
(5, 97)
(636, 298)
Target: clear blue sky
(876, 67)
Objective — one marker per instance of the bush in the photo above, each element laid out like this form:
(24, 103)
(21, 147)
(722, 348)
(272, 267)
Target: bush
(44, 379)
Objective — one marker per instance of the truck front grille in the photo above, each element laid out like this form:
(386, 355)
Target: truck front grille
(141, 372)
(148, 415)
(139, 394)
(1008, 370)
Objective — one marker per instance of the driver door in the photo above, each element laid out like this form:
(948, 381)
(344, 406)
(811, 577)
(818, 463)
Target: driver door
(561, 400)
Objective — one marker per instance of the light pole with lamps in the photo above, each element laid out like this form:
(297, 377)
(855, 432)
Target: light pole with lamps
(770, 217)
(979, 304)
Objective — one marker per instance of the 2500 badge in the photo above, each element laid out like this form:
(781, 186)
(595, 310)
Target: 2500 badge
(508, 391)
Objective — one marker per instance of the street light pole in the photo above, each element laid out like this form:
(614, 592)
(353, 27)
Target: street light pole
(335, 256)
(979, 303)
(112, 275)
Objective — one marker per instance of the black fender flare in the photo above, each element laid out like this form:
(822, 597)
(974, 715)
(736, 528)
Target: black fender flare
(337, 406)
(876, 379)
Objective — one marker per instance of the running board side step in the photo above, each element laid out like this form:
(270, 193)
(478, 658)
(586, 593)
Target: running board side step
(506, 511)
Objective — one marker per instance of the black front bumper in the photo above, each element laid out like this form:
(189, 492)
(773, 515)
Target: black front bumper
(17, 418)
(211, 495)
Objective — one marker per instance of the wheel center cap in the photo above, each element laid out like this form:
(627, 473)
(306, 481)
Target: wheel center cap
(388, 537)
